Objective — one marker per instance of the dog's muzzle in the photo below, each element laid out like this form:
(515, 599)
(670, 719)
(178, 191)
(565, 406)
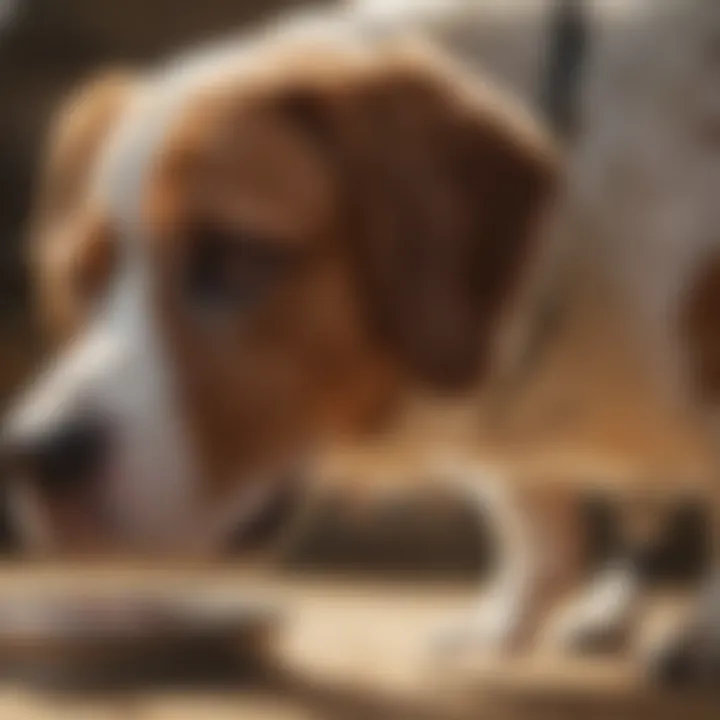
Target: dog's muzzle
(58, 457)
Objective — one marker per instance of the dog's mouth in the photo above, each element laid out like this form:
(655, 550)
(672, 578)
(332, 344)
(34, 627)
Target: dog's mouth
(83, 487)
(84, 523)
(76, 525)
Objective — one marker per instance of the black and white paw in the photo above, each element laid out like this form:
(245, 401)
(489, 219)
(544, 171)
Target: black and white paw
(600, 620)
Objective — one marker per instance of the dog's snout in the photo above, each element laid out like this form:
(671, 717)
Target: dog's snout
(58, 458)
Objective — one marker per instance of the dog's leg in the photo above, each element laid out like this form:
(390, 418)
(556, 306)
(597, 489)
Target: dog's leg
(538, 545)
(602, 617)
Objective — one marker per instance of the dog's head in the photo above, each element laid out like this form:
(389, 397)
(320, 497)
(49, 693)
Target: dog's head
(249, 254)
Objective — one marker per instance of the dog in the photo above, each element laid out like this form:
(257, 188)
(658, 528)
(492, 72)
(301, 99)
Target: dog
(308, 273)
(629, 360)
(358, 306)
(384, 280)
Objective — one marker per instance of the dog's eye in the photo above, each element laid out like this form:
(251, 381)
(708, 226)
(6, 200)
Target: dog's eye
(230, 269)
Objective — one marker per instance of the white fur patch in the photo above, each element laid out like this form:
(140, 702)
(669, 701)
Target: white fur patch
(117, 371)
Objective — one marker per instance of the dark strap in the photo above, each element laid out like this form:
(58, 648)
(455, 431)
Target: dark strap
(568, 44)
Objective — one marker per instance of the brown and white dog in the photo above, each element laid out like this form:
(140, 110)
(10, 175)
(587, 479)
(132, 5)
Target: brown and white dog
(258, 253)
(307, 246)
(628, 375)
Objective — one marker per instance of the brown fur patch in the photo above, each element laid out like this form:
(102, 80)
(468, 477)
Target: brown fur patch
(71, 248)
(401, 205)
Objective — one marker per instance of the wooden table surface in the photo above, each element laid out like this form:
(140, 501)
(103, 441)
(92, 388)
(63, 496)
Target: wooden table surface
(347, 650)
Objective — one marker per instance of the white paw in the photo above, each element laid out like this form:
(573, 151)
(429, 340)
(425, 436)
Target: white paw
(490, 628)
(600, 619)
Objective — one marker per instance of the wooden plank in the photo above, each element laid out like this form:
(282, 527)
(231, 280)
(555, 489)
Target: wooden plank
(98, 628)
(345, 650)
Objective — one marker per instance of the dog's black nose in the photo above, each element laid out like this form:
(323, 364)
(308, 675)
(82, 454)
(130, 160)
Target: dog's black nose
(58, 459)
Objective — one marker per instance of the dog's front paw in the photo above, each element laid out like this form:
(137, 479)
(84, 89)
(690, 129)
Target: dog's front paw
(599, 620)
(491, 628)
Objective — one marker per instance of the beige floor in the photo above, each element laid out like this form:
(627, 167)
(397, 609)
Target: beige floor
(349, 650)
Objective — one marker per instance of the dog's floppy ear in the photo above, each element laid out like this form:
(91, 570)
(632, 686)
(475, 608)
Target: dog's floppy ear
(445, 180)
(76, 134)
